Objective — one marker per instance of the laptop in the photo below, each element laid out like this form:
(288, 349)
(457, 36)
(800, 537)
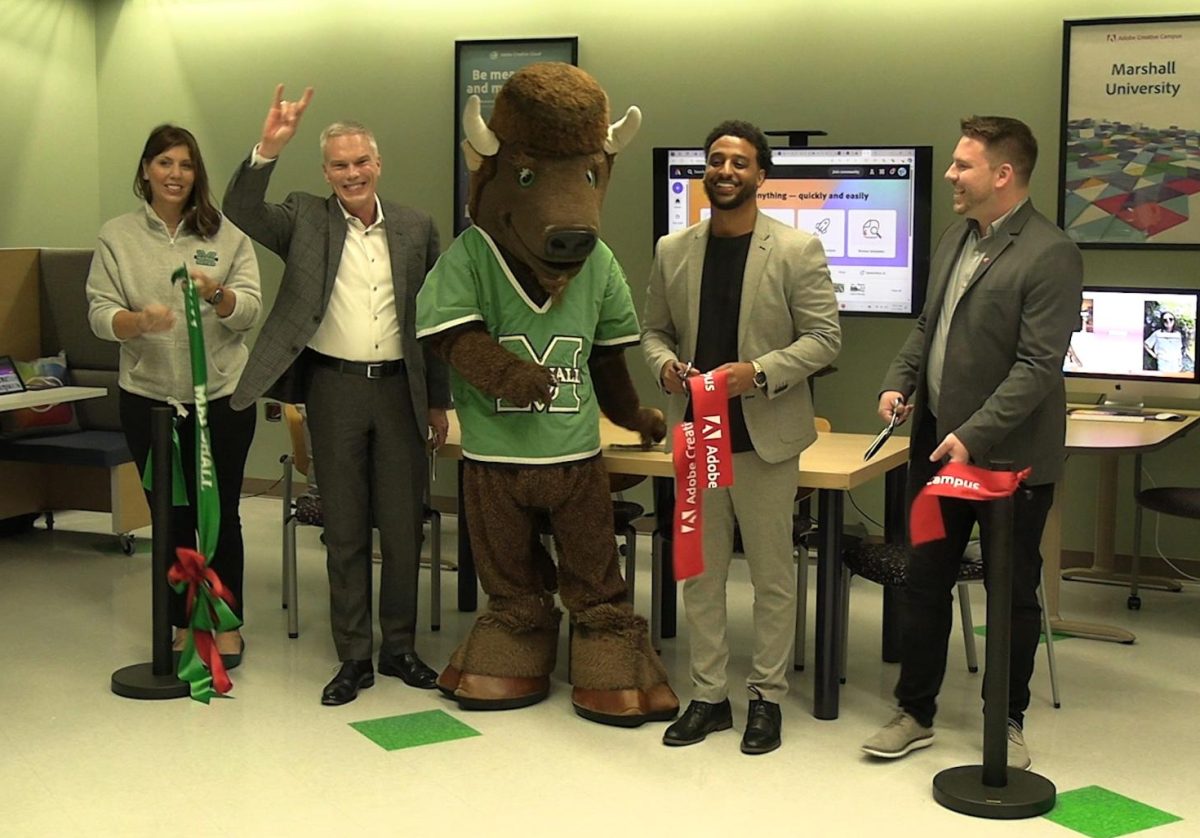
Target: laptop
(10, 379)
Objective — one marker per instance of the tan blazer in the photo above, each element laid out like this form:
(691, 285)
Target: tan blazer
(788, 323)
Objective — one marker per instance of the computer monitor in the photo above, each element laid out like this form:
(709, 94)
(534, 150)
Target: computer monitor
(870, 207)
(1135, 345)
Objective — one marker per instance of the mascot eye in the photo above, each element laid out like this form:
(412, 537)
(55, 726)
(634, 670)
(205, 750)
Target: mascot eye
(525, 177)
(591, 178)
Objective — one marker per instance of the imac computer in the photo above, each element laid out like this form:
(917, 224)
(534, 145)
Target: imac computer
(870, 207)
(1134, 346)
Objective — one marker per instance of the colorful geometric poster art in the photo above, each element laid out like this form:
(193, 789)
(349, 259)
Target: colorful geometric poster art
(1129, 167)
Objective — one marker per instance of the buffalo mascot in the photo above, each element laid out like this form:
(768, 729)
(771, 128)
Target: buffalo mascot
(532, 313)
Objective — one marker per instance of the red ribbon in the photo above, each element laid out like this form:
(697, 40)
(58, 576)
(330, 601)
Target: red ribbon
(962, 481)
(703, 459)
(190, 567)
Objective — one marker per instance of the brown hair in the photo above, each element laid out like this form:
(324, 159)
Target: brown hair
(1006, 139)
(200, 216)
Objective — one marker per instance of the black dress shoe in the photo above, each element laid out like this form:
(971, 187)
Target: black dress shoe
(408, 668)
(763, 724)
(351, 677)
(699, 720)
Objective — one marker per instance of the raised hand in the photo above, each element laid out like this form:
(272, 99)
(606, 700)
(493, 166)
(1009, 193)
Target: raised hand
(282, 120)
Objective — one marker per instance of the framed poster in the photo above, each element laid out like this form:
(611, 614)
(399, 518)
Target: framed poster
(480, 68)
(1129, 161)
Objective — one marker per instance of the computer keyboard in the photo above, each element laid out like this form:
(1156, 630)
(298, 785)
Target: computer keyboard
(1101, 416)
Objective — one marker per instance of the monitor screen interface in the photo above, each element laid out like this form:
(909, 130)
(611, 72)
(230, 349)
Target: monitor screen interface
(868, 206)
(10, 379)
(1134, 337)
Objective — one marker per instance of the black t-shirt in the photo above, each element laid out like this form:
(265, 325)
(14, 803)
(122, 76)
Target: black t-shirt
(720, 309)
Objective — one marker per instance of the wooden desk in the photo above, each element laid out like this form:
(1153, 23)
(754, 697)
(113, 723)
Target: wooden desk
(51, 395)
(1109, 440)
(833, 465)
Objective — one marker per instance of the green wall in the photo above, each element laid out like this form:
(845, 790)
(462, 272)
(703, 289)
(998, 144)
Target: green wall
(862, 70)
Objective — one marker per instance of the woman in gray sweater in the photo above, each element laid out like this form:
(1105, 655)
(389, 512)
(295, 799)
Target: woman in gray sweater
(131, 300)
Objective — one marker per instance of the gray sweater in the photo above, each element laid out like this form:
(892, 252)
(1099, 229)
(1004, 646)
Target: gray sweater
(131, 269)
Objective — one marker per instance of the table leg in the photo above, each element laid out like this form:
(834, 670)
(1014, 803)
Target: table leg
(1052, 555)
(894, 517)
(664, 511)
(829, 600)
(1103, 570)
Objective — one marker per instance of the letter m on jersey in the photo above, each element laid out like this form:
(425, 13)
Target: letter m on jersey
(561, 357)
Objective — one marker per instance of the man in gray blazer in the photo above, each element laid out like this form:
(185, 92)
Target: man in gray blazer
(981, 374)
(745, 294)
(341, 339)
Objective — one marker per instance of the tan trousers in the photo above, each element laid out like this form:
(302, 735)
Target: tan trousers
(761, 501)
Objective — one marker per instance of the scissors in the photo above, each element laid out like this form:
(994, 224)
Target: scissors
(883, 436)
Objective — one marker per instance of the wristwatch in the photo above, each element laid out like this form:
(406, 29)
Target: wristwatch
(760, 377)
(215, 299)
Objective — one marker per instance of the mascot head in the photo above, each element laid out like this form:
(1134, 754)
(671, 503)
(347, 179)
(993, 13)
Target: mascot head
(540, 167)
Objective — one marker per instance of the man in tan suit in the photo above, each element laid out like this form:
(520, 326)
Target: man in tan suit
(746, 294)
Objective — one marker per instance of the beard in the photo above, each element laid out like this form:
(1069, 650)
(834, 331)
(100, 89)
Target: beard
(730, 202)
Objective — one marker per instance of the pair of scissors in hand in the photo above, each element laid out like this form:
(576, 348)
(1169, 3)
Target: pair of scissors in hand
(883, 436)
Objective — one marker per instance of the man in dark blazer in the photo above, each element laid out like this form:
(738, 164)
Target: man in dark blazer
(341, 339)
(743, 293)
(981, 374)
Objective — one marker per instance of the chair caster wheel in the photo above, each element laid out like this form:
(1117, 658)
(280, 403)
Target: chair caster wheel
(1134, 603)
(127, 543)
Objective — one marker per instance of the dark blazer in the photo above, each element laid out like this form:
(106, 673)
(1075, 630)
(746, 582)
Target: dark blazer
(788, 323)
(308, 233)
(1002, 388)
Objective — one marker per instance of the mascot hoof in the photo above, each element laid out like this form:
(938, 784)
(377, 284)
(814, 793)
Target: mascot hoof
(627, 708)
(491, 692)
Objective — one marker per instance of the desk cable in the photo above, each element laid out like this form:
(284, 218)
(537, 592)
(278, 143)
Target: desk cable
(1157, 524)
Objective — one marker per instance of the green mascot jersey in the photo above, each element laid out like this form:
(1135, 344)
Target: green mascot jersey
(472, 283)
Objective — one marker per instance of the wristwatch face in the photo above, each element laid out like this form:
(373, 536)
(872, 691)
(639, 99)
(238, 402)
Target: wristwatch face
(217, 296)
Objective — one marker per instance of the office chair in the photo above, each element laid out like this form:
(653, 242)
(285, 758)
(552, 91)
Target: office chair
(306, 510)
(887, 564)
(1165, 500)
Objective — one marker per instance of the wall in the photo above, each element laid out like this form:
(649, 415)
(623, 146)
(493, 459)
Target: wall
(48, 124)
(861, 70)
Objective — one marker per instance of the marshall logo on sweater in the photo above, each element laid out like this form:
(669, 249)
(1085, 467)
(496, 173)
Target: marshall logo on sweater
(207, 258)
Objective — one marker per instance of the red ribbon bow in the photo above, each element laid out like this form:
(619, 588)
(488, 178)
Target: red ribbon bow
(191, 567)
(962, 481)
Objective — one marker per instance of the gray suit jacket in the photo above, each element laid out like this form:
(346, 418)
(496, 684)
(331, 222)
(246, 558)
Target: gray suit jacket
(788, 323)
(308, 233)
(1002, 388)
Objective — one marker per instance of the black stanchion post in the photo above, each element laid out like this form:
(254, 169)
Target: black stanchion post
(993, 790)
(157, 679)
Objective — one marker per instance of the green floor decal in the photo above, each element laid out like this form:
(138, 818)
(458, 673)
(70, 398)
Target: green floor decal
(412, 729)
(1100, 813)
(982, 632)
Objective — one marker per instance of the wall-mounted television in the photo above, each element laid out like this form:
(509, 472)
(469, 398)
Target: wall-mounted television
(1135, 345)
(870, 208)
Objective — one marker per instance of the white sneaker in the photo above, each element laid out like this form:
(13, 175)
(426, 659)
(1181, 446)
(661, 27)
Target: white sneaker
(898, 737)
(1018, 754)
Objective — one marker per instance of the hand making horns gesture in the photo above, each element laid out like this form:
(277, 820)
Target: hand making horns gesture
(282, 120)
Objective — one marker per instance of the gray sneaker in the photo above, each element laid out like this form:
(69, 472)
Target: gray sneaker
(1018, 754)
(898, 737)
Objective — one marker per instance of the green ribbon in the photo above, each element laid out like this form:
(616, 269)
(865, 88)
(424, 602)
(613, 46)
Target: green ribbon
(208, 613)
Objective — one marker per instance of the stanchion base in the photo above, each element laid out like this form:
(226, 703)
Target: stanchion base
(961, 789)
(139, 681)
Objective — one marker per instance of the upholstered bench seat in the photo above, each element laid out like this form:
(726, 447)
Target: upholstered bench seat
(82, 448)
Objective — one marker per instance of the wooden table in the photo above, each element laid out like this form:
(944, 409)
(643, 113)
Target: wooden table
(833, 465)
(1109, 440)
